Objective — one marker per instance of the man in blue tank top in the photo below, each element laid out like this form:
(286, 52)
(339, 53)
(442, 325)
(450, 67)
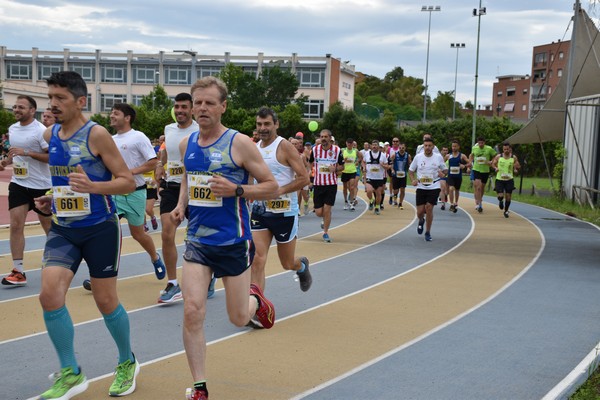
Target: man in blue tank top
(86, 169)
(217, 162)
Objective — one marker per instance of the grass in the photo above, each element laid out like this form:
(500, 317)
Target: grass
(546, 198)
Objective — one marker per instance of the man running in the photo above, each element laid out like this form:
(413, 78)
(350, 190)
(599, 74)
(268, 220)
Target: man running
(400, 160)
(352, 158)
(375, 164)
(480, 158)
(457, 162)
(506, 165)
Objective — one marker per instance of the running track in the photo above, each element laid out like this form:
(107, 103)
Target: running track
(493, 308)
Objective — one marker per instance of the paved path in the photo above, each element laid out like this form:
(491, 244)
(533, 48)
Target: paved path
(493, 308)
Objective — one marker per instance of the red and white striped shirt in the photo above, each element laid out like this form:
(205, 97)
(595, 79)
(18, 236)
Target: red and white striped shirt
(322, 160)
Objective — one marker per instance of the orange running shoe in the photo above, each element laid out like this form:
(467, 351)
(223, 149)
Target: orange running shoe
(15, 278)
(266, 310)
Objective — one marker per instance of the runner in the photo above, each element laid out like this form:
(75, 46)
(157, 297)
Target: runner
(400, 161)
(480, 158)
(457, 162)
(376, 164)
(506, 165)
(352, 158)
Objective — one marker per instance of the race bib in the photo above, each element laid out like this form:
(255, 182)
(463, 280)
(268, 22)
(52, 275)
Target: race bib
(350, 160)
(426, 180)
(175, 169)
(200, 193)
(68, 203)
(481, 160)
(324, 169)
(149, 179)
(280, 205)
(506, 177)
(374, 168)
(455, 170)
(21, 169)
(400, 174)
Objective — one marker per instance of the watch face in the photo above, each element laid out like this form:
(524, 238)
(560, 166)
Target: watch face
(239, 191)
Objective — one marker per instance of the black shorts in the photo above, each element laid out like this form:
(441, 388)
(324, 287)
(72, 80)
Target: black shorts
(151, 194)
(427, 196)
(346, 176)
(455, 181)
(19, 195)
(398, 183)
(482, 176)
(231, 260)
(169, 197)
(505, 186)
(376, 183)
(324, 194)
(284, 229)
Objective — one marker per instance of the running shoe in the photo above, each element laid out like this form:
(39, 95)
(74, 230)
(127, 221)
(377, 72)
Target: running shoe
(400, 206)
(371, 205)
(480, 209)
(195, 394)
(391, 201)
(159, 268)
(420, 226)
(377, 212)
(451, 209)
(355, 202)
(154, 223)
(501, 204)
(505, 214)
(381, 206)
(395, 202)
(352, 207)
(15, 278)
(346, 206)
(66, 385)
(87, 284)
(211, 288)
(305, 277)
(455, 208)
(171, 294)
(443, 206)
(266, 310)
(326, 238)
(428, 237)
(146, 228)
(124, 382)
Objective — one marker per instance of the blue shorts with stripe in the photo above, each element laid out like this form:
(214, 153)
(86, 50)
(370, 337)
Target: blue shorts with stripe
(99, 245)
(230, 260)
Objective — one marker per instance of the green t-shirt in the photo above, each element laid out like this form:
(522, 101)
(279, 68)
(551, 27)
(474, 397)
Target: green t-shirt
(482, 157)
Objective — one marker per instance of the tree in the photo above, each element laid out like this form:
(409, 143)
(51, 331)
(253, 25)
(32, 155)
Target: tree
(157, 99)
(6, 120)
(442, 105)
(394, 75)
(407, 91)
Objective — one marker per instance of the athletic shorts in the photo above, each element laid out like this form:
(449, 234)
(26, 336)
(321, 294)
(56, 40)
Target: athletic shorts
(151, 194)
(324, 195)
(231, 260)
(19, 195)
(482, 176)
(398, 183)
(427, 196)
(132, 206)
(376, 183)
(284, 229)
(99, 245)
(505, 186)
(347, 176)
(455, 181)
(169, 197)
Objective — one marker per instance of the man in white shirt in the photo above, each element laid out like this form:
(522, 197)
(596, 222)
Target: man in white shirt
(28, 156)
(139, 155)
(425, 172)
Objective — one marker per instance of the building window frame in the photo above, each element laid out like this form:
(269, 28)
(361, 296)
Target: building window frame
(108, 100)
(144, 74)
(18, 70)
(87, 71)
(177, 75)
(314, 108)
(114, 73)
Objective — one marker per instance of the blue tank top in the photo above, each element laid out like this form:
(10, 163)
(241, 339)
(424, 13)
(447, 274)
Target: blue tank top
(401, 162)
(212, 220)
(65, 156)
(454, 165)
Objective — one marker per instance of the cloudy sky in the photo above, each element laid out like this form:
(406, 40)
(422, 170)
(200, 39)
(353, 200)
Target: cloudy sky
(375, 35)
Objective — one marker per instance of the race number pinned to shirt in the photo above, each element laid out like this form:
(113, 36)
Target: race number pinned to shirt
(400, 174)
(455, 170)
(175, 169)
(426, 180)
(200, 193)
(21, 169)
(279, 205)
(69, 203)
(481, 160)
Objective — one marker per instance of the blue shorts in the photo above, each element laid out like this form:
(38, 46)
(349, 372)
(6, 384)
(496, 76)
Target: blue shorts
(132, 206)
(99, 245)
(231, 260)
(284, 229)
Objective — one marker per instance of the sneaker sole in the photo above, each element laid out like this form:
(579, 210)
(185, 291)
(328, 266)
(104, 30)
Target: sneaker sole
(74, 391)
(9, 283)
(307, 264)
(173, 299)
(132, 388)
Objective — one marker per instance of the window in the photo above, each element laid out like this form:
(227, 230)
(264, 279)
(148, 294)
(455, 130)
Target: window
(212, 71)
(313, 109)
(114, 73)
(88, 103)
(145, 73)
(177, 75)
(18, 70)
(87, 71)
(525, 91)
(509, 107)
(136, 100)
(499, 94)
(46, 69)
(311, 77)
(561, 55)
(510, 91)
(108, 100)
(524, 107)
(540, 58)
(559, 73)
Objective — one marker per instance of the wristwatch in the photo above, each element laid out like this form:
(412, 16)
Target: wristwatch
(239, 191)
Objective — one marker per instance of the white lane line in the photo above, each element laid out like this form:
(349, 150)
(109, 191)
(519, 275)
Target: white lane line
(434, 330)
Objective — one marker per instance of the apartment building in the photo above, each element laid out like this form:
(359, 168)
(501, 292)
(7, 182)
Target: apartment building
(520, 97)
(126, 77)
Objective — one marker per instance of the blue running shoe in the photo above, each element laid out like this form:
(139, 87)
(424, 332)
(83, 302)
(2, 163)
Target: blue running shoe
(326, 238)
(211, 288)
(159, 267)
(428, 237)
(171, 294)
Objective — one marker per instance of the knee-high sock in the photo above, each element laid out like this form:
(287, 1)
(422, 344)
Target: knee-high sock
(61, 332)
(117, 323)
